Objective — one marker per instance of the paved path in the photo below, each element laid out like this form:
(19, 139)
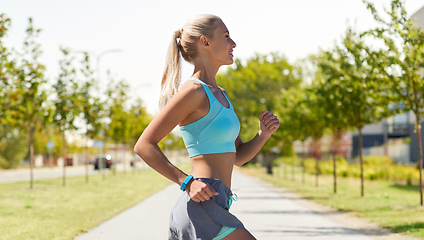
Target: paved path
(23, 175)
(268, 212)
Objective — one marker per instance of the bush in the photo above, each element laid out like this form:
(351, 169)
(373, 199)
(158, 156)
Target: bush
(375, 167)
(13, 147)
(287, 160)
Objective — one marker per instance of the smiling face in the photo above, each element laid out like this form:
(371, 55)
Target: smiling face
(221, 45)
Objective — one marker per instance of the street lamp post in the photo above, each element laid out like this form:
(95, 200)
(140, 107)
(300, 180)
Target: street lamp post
(98, 62)
(100, 163)
(98, 57)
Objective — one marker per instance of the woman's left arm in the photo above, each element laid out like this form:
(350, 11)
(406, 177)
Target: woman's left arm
(268, 124)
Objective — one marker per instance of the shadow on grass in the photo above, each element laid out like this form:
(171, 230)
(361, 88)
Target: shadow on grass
(272, 198)
(316, 198)
(320, 231)
(406, 188)
(284, 198)
(412, 227)
(294, 212)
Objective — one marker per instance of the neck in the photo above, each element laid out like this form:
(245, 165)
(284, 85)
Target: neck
(206, 72)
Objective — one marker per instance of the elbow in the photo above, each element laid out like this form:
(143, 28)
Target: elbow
(135, 149)
(238, 162)
(143, 147)
(138, 147)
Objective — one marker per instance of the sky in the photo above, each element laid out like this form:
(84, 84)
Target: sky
(142, 30)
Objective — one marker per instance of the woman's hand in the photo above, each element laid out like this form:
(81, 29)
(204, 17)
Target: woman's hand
(268, 123)
(199, 191)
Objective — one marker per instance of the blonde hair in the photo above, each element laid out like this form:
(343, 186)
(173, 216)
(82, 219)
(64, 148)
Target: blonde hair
(184, 42)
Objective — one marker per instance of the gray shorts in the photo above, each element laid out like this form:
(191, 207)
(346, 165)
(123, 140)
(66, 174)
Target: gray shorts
(191, 220)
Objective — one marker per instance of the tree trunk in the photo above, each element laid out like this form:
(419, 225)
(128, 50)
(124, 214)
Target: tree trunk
(115, 161)
(116, 154)
(285, 170)
(268, 164)
(317, 171)
(303, 162)
(361, 161)
(337, 139)
(335, 172)
(292, 168)
(420, 155)
(86, 160)
(31, 156)
(64, 159)
(125, 163)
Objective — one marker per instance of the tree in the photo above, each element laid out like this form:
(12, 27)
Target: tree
(13, 147)
(31, 104)
(295, 118)
(317, 125)
(118, 128)
(256, 86)
(44, 134)
(354, 86)
(139, 120)
(9, 94)
(91, 106)
(332, 100)
(67, 106)
(401, 62)
(13, 141)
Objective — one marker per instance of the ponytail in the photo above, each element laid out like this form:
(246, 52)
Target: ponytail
(171, 76)
(184, 42)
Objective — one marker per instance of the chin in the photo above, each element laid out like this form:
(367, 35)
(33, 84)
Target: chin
(229, 62)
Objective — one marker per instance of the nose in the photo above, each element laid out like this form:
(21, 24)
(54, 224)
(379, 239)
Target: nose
(233, 44)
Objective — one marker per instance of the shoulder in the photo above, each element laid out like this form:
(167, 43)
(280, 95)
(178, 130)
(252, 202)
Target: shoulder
(224, 91)
(189, 94)
(192, 89)
(191, 86)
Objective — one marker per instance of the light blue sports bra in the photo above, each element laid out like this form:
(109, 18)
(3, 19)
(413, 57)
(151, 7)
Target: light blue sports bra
(216, 132)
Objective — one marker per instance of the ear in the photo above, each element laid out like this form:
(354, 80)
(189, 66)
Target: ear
(204, 41)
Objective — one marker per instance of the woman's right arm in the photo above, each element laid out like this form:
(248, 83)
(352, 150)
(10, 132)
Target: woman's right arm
(183, 103)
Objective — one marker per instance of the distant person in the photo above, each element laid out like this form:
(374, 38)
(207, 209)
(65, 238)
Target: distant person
(210, 130)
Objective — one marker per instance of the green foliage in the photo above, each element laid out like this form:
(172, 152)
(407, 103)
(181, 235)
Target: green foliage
(13, 147)
(375, 167)
(281, 161)
(92, 108)
(350, 88)
(257, 86)
(118, 128)
(139, 120)
(31, 106)
(67, 105)
(401, 61)
(9, 94)
(295, 117)
(42, 135)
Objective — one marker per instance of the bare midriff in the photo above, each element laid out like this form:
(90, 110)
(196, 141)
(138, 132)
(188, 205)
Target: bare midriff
(217, 166)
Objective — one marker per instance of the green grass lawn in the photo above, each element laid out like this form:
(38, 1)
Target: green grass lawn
(392, 205)
(51, 211)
